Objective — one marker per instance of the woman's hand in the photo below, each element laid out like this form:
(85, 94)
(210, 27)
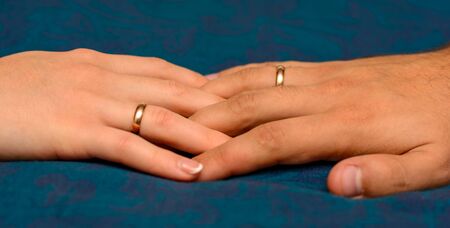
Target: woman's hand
(387, 118)
(80, 104)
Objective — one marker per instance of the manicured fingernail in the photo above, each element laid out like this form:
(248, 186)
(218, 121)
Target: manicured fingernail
(211, 76)
(351, 181)
(190, 166)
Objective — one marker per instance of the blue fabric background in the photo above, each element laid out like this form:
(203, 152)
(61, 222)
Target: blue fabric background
(208, 36)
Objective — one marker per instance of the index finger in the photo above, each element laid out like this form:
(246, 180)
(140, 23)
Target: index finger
(144, 66)
(290, 141)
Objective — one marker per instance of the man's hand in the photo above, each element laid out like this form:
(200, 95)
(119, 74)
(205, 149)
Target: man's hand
(386, 118)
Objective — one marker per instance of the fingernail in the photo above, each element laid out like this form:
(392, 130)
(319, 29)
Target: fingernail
(351, 181)
(211, 76)
(190, 166)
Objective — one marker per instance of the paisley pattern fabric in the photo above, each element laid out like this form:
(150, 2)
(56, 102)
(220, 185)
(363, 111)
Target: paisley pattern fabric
(208, 36)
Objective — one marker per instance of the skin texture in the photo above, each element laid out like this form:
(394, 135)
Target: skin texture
(80, 104)
(385, 119)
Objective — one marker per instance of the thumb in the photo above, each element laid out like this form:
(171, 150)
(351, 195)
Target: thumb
(383, 174)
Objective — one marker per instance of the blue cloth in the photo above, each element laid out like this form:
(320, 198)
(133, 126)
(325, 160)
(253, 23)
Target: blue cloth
(208, 36)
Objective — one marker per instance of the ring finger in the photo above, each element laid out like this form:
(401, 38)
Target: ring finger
(160, 125)
(253, 78)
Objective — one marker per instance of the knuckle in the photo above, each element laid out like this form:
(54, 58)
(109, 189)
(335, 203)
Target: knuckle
(159, 116)
(153, 157)
(269, 136)
(266, 70)
(247, 76)
(34, 53)
(243, 77)
(157, 61)
(402, 181)
(84, 53)
(124, 143)
(221, 158)
(378, 170)
(199, 80)
(243, 104)
(176, 88)
(391, 168)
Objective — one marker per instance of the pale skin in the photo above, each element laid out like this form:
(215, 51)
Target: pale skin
(80, 104)
(385, 119)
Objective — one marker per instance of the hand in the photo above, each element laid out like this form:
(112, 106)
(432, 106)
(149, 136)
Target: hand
(386, 118)
(80, 105)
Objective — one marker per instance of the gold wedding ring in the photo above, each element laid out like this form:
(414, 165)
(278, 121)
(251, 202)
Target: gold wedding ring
(279, 80)
(138, 114)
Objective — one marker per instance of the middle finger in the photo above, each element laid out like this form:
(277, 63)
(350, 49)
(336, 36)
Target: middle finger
(169, 94)
(249, 109)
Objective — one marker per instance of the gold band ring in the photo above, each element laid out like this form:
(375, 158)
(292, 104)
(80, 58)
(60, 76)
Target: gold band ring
(279, 80)
(138, 114)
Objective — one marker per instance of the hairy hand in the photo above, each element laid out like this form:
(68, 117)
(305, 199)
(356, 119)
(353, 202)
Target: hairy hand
(386, 119)
(80, 104)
